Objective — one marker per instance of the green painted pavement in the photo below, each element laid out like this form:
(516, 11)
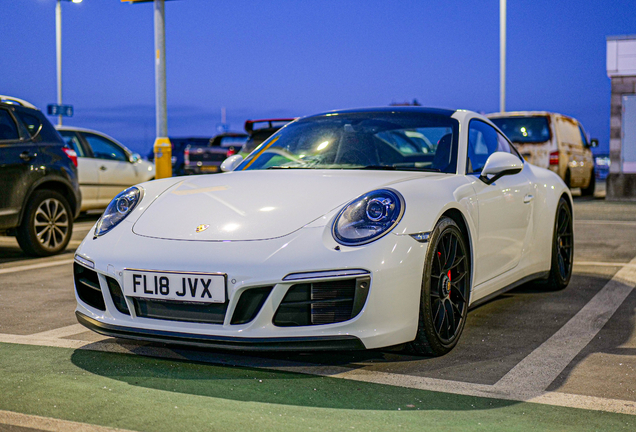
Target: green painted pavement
(152, 394)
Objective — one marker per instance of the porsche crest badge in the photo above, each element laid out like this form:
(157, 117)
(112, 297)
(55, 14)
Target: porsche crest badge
(202, 228)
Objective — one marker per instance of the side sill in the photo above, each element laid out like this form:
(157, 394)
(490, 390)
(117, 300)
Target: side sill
(534, 276)
(308, 343)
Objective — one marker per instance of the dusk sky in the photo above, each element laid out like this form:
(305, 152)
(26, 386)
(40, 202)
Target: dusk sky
(294, 58)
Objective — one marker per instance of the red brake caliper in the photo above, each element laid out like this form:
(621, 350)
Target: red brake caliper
(449, 283)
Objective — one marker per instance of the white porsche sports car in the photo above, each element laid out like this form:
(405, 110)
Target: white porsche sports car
(351, 229)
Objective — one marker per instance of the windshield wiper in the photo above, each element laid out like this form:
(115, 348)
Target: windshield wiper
(379, 167)
(287, 167)
(396, 168)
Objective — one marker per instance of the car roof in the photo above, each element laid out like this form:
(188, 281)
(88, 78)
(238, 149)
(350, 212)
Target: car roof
(78, 129)
(96, 132)
(15, 101)
(232, 134)
(390, 109)
(522, 114)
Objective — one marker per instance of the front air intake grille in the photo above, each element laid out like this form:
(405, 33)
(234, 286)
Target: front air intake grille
(210, 313)
(117, 295)
(322, 302)
(87, 287)
(249, 304)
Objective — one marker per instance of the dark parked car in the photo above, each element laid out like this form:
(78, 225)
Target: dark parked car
(38, 177)
(260, 130)
(204, 160)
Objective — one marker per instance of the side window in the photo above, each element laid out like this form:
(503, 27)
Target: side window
(72, 140)
(483, 140)
(8, 128)
(32, 123)
(105, 149)
(583, 137)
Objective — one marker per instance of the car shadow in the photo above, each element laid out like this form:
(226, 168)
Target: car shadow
(499, 334)
(247, 384)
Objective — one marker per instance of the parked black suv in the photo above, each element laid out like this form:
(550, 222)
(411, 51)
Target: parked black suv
(39, 192)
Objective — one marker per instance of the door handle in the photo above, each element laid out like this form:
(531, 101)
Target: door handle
(26, 156)
(103, 168)
(527, 199)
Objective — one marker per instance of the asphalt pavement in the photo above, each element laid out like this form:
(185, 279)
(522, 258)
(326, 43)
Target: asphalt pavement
(529, 359)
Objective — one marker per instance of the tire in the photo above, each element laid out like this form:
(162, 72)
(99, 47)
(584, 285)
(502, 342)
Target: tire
(562, 248)
(567, 179)
(444, 299)
(47, 224)
(589, 190)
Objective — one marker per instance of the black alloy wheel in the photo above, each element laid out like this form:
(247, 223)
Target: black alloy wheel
(562, 247)
(445, 291)
(47, 224)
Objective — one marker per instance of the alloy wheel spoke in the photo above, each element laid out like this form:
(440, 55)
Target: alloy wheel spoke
(459, 277)
(452, 254)
(562, 221)
(41, 214)
(439, 318)
(59, 232)
(46, 237)
(456, 310)
(451, 319)
(61, 214)
(458, 292)
(457, 262)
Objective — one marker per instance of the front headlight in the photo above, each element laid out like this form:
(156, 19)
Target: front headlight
(120, 207)
(368, 217)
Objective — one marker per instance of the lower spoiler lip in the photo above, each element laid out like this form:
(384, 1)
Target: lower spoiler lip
(303, 343)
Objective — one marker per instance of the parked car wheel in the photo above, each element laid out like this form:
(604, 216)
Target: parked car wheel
(445, 291)
(47, 224)
(562, 248)
(589, 190)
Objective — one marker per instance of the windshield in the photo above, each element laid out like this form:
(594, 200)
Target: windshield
(393, 141)
(524, 129)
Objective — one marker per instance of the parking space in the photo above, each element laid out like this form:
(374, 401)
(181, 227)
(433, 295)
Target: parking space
(573, 348)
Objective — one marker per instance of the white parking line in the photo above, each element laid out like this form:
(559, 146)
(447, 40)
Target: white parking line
(604, 222)
(603, 264)
(537, 371)
(49, 424)
(61, 332)
(35, 266)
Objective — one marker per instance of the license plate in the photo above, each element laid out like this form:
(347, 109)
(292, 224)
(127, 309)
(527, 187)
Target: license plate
(187, 287)
(209, 168)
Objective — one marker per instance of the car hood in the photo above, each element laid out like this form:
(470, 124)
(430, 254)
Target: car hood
(255, 205)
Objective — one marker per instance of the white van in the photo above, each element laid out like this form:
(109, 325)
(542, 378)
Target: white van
(552, 141)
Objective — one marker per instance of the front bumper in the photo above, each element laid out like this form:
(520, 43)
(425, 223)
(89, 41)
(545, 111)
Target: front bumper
(321, 343)
(388, 317)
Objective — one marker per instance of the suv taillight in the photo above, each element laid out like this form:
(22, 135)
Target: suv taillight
(230, 152)
(554, 158)
(71, 155)
(186, 156)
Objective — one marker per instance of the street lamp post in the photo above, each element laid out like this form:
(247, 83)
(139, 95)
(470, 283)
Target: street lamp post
(502, 55)
(58, 51)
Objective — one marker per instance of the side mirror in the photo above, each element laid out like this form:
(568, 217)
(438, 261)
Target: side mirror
(498, 165)
(134, 158)
(594, 142)
(231, 163)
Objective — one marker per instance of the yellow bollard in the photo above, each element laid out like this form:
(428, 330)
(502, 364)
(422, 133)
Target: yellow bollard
(163, 158)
